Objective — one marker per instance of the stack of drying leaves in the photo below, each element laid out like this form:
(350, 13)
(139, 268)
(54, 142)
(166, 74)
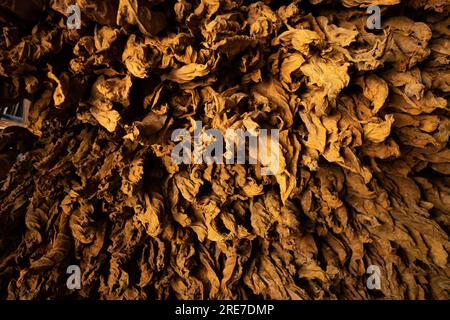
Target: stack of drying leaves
(364, 126)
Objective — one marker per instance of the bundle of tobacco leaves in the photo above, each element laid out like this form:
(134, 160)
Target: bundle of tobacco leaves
(363, 122)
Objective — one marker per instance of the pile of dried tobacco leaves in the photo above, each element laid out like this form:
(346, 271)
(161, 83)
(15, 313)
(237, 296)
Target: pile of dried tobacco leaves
(364, 128)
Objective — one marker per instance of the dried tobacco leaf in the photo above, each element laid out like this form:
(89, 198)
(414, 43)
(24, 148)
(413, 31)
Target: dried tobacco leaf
(359, 177)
